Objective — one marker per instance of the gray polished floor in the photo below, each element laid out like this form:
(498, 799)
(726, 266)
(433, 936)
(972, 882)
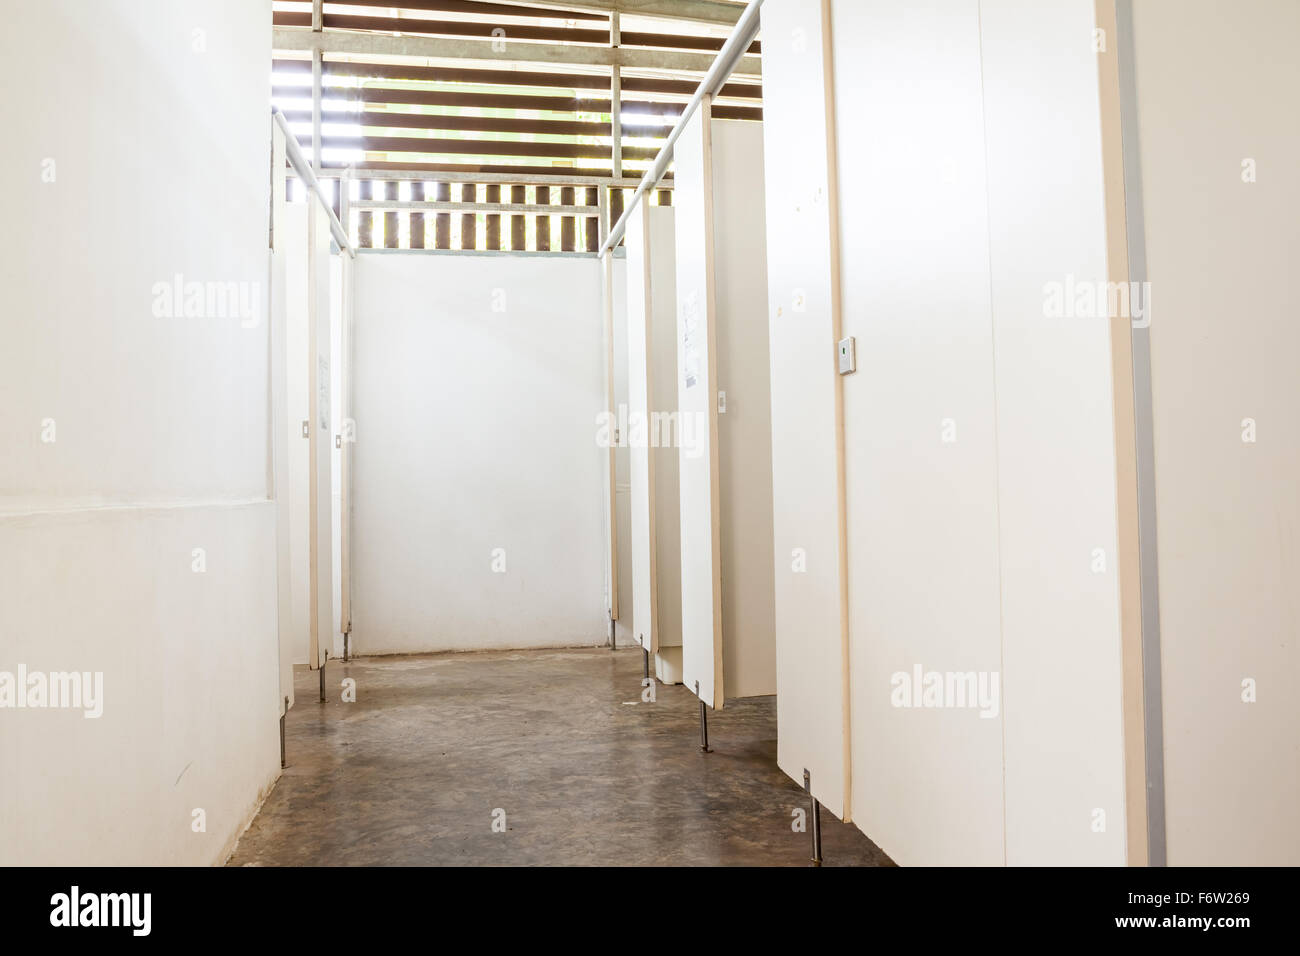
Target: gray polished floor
(530, 758)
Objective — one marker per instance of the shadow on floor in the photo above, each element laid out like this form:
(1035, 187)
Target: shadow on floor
(555, 744)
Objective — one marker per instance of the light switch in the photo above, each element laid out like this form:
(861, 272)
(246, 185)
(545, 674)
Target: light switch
(722, 401)
(848, 356)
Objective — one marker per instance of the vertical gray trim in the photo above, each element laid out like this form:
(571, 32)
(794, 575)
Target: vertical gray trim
(1153, 714)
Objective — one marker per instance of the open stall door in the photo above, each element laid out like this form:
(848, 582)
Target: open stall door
(641, 475)
(744, 404)
(724, 403)
(662, 306)
(697, 403)
(652, 433)
(285, 440)
(320, 436)
(811, 601)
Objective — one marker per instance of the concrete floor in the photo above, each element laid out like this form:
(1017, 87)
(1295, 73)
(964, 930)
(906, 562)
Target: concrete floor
(585, 772)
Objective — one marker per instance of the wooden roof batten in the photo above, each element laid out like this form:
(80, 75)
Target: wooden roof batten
(433, 94)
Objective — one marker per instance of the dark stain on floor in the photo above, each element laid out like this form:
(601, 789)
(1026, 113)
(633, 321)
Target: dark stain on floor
(557, 744)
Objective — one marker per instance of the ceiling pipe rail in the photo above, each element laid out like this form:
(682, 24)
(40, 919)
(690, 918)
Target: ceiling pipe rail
(308, 177)
(728, 57)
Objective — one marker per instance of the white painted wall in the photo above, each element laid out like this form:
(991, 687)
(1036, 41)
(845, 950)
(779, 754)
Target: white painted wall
(477, 431)
(161, 431)
(1218, 84)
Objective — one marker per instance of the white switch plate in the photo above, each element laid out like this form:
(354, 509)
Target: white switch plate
(722, 401)
(847, 356)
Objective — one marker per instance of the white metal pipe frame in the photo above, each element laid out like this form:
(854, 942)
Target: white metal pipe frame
(308, 176)
(728, 57)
